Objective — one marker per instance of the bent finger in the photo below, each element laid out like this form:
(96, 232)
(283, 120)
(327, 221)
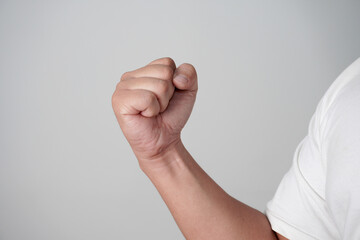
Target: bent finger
(161, 88)
(138, 101)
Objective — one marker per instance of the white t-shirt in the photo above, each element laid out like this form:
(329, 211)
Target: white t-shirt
(319, 197)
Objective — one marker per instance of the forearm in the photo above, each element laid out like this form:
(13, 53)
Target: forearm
(201, 208)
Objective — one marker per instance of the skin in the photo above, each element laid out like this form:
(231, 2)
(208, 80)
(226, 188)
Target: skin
(152, 105)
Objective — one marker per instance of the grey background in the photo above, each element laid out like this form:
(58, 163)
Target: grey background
(66, 171)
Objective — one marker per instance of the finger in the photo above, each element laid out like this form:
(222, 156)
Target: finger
(160, 68)
(164, 61)
(161, 71)
(139, 101)
(161, 88)
(185, 77)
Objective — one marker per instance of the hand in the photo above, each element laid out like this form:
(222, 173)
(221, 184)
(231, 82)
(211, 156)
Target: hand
(152, 105)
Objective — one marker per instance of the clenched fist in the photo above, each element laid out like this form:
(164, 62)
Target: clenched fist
(152, 105)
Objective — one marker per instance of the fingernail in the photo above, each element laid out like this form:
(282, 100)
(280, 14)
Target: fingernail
(181, 78)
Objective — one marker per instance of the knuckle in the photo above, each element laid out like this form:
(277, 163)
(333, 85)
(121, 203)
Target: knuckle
(149, 97)
(118, 85)
(168, 61)
(167, 72)
(125, 75)
(163, 87)
(114, 99)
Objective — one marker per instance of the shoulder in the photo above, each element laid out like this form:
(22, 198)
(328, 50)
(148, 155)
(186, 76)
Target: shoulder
(340, 116)
(343, 92)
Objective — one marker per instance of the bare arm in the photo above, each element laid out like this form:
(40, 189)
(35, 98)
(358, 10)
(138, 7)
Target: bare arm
(201, 208)
(152, 105)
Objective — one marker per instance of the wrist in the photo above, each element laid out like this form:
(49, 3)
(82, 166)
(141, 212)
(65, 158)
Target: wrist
(169, 161)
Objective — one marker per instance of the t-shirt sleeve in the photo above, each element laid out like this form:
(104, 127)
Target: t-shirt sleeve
(298, 209)
(319, 197)
(340, 146)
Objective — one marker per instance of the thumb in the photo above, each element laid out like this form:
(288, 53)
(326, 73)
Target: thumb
(185, 77)
(183, 99)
